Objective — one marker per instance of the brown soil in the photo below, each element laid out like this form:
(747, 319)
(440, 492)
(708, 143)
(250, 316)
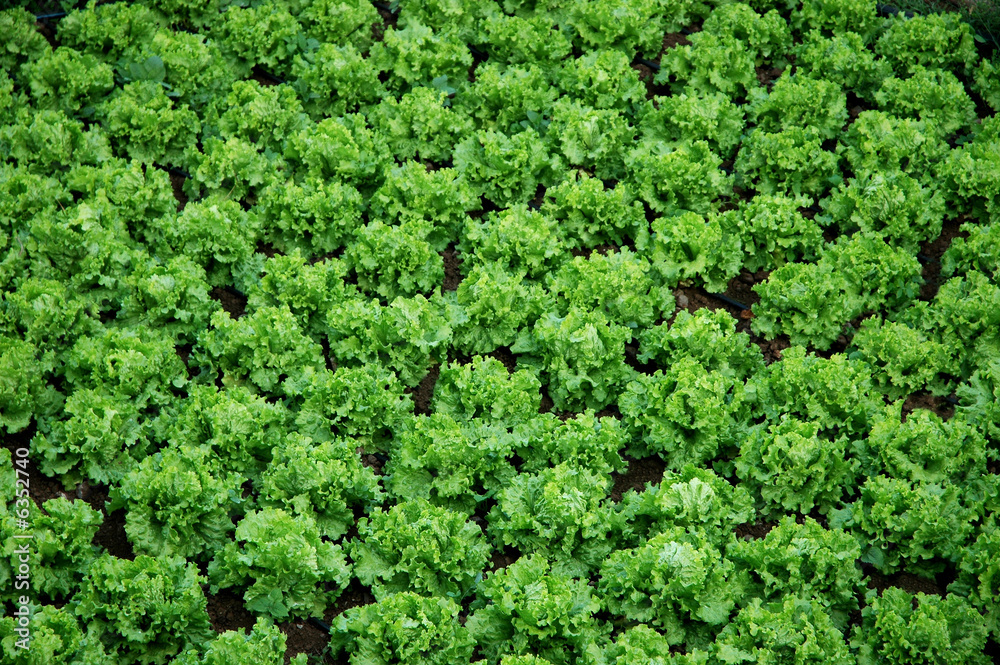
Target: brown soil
(646, 72)
(503, 558)
(452, 269)
(372, 461)
(672, 39)
(766, 76)
(226, 612)
(112, 537)
(938, 405)
(267, 250)
(905, 581)
(740, 288)
(177, 184)
(423, 393)
(305, 637)
(504, 355)
(639, 473)
(754, 531)
(932, 252)
(234, 303)
(693, 298)
(264, 77)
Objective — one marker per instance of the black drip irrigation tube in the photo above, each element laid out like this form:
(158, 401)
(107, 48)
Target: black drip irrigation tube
(319, 623)
(728, 300)
(889, 10)
(54, 15)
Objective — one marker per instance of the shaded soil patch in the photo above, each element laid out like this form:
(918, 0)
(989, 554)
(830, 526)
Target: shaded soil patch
(112, 537)
(226, 612)
(755, 530)
(452, 273)
(930, 255)
(640, 472)
(423, 393)
(938, 405)
(234, 303)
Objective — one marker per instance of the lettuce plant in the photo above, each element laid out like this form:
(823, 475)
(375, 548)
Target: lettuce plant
(508, 98)
(239, 427)
(406, 336)
(842, 58)
(518, 238)
(56, 637)
(816, 105)
(336, 79)
(591, 139)
(675, 179)
(233, 350)
(394, 261)
(711, 62)
(677, 581)
(581, 355)
(586, 442)
(922, 526)
(621, 284)
(979, 575)
(836, 392)
(413, 192)
(403, 627)
(898, 627)
(559, 512)
(708, 337)
(340, 21)
(603, 80)
(324, 481)
(931, 40)
(483, 390)
(589, 214)
(416, 55)
(419, 547)
(281, 561)
(436, 458)
(691, 115)
(792, 469)
(264, 644)
(506, 169)
(62, 532)
(692, 499)
(686, 414)
(790, 161)
(793, 630)
(145, 610)
(529, 608)
(179, 503)
(421, 124)
(518, 40)
(889, 203)
(903, 359)
(496, 305)
(636, 25)
(934, 96)
(805, 561)
(365, 403)
(688, 246)
(924, 448)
